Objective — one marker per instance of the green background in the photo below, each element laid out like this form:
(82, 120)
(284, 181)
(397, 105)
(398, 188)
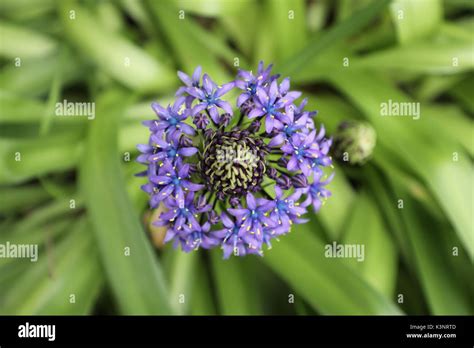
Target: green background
(73, 191)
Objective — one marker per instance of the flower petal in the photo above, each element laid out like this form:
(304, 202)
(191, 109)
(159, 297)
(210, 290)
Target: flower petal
(224, 106)
(187, 151)
(256, 113)
(292, 164)
(185, 78)
(251, 202)
(197, 75)
(224, 89)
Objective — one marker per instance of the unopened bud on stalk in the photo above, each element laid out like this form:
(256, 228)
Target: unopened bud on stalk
(354, 142)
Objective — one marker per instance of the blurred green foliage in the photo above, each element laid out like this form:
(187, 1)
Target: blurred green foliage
(66, 182)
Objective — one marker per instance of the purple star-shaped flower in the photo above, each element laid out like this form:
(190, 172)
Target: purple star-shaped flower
(189, 82)
(171, 120)
(165, 149)
(232, 242)
(303, 150)
(286, 211)
(253, 219)
(250, 83)
(209, 97)
(270, 104)
(195, 237)
(181, 213)
(172, 180)
(323, 159)
(316, 192)
(291, 127)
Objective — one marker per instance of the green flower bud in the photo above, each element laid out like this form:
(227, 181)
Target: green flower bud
(354, 142)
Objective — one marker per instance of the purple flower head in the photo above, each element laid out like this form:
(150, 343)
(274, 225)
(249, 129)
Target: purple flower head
(234, 183)
(209, 98)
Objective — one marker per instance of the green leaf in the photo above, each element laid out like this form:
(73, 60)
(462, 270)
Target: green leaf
(289, 25)
(416, 146)
(415, 20)
(212, 8)
(188, 48)
(334, 35)
(237, 290)
(327, 284)
(34, 76)
(365, 227)
(39, 220)
(136, 278)
(183, 267)
(25, 9)
(336, 210)
(20, 42)
(25, 158)
(46, 287)
(202, 301)
(21, 198)
(444, 292)
(121, 59)
(433, 58)
(18, 109)
(462, 92)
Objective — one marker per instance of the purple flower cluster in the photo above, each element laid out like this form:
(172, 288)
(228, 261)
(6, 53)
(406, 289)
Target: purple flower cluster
(233, 181)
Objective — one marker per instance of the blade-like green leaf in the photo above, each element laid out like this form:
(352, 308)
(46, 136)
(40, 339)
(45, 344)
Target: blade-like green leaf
(211, 8)
(20, 42)
(134, 273)
(120, 58)
(379, 264)
(65, 285)
(416, 19)
(182, 280)
(444, 291)
(336, 34)
(237, 290)
(327, 284)
(446, 177)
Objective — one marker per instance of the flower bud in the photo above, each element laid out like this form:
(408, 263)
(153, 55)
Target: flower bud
(300, 181)
(354, 142)
(201, 121)
(272, 173)
(254, 127)
(185, 141)
(284, 182)
(234, 201)
(213, 218)
(225, 119)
